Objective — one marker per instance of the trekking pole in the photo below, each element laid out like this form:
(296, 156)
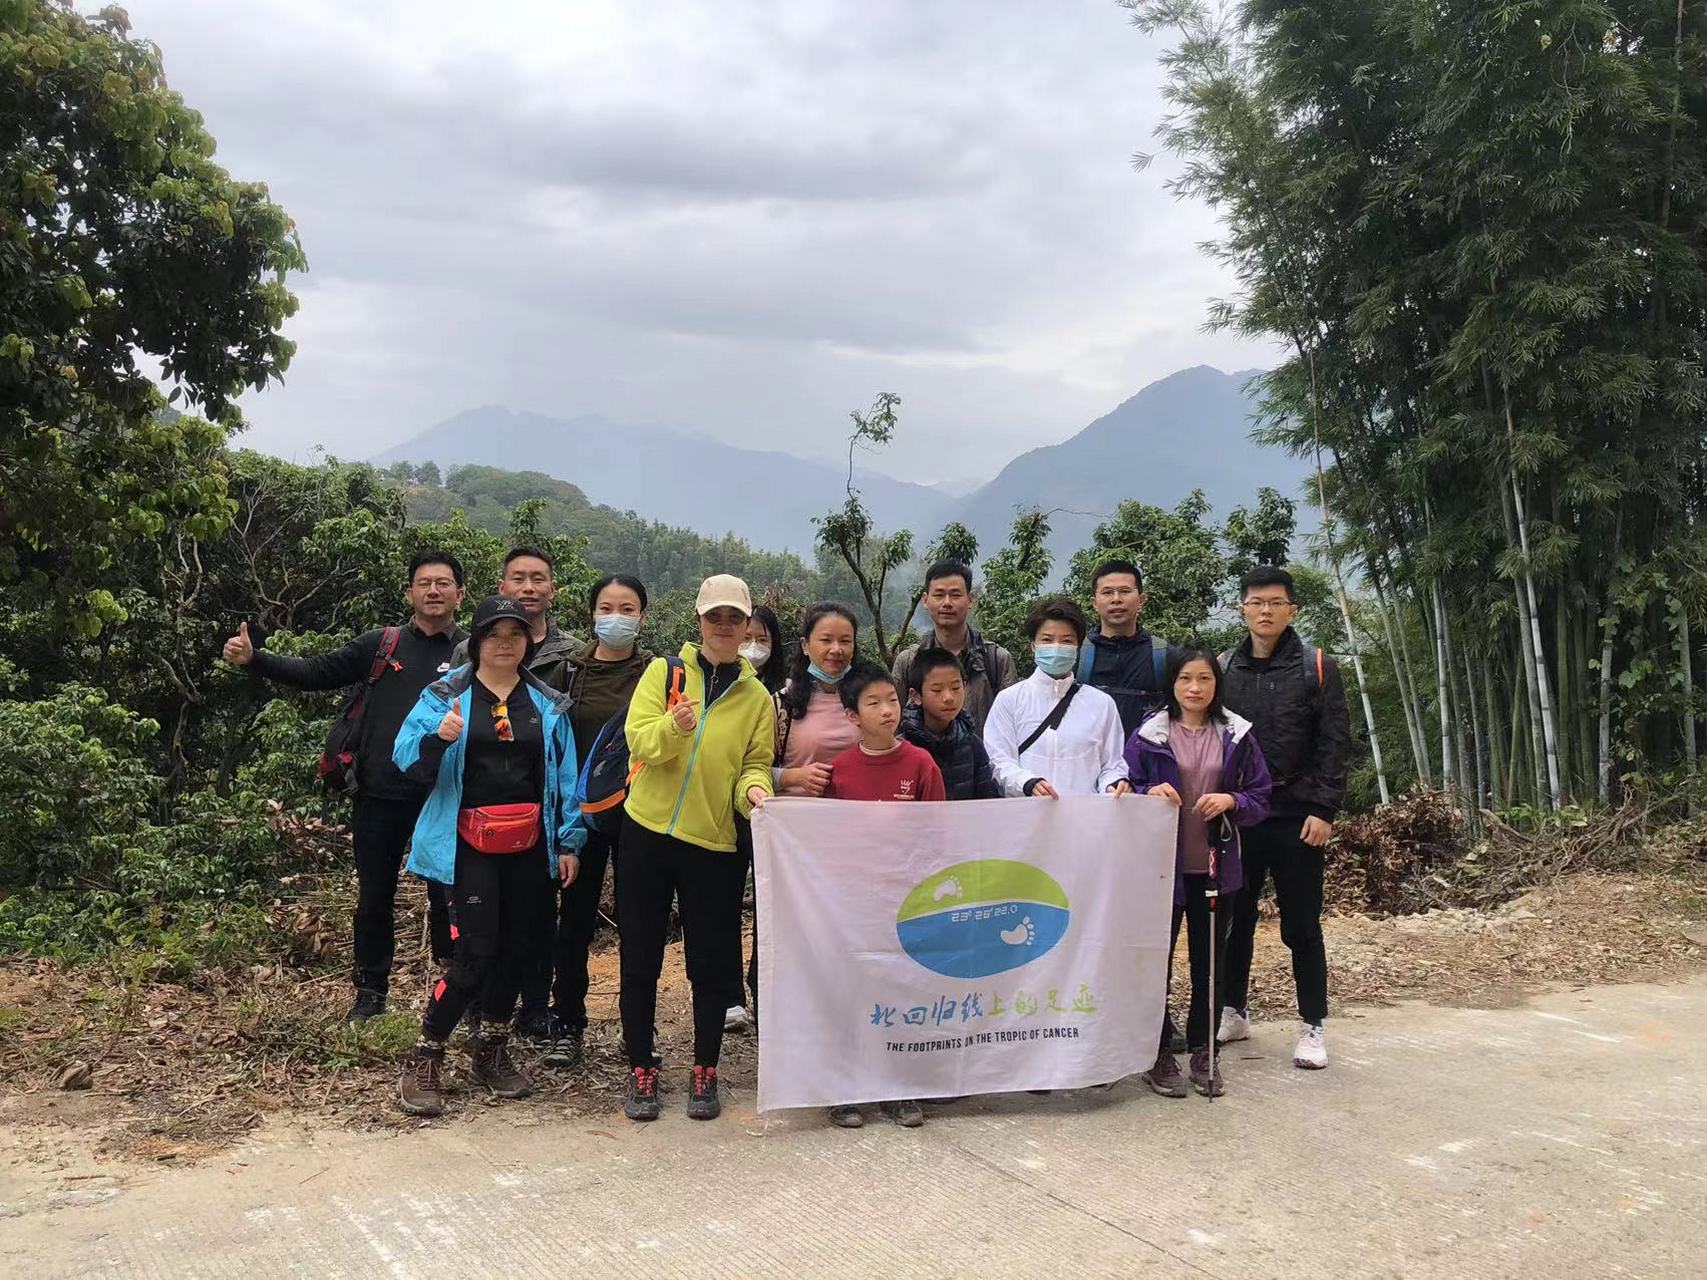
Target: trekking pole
(1212, 892)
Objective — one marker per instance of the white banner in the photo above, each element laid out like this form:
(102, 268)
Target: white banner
(933, 950)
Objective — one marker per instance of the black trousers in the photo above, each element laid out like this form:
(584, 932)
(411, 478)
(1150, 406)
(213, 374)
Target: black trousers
(1277, 848)
(381, 829)
(499, 900)
(708, 887)
(1199, 920)
(557, 971)
(744, 847)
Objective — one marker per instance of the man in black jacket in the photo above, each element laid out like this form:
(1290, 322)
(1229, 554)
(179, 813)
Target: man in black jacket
(1291, 693)
(1121, 658)
(530, 575)
(386, 803)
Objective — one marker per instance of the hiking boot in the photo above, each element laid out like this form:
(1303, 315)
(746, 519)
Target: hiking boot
(1235, 1025)
(735, 1018)
(492, 1066)
(420, 1088)
(536, 1026)
(566, 1051)
(908, 1114)
(703, 1102)
(369, 1004)
(642, 1100)
(1165, 1078)
(846, 1117)
(1205, 1081)
(1312, 1051)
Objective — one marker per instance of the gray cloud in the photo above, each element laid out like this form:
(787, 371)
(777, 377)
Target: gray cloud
(743, 220)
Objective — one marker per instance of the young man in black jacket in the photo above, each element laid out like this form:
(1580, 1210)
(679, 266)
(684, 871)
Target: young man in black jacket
(386, 803)
(1292, 694)
(1121, 658)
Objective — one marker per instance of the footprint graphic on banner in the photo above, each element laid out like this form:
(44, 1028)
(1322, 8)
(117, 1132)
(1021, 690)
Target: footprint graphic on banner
(1022, 934)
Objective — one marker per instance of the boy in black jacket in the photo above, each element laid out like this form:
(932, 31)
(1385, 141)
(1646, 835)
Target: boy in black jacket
(1291, 693)
(937, 720)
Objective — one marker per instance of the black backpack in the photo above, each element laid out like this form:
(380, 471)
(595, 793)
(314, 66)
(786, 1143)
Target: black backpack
(607, 774)
(336, 767)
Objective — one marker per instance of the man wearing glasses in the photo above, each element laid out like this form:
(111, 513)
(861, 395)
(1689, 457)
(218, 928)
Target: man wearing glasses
(1291, 692)
(397, 664)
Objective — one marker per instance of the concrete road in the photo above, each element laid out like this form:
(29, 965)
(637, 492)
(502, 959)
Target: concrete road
(1563, 1138)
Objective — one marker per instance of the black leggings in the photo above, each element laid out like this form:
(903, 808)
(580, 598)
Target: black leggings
(1197, 915)
(499, 898)
(708, 886)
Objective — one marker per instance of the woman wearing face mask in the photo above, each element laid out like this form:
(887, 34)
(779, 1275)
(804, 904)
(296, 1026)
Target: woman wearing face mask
(769, 660)
(600, 679)
(764, 648)
(1050, 735)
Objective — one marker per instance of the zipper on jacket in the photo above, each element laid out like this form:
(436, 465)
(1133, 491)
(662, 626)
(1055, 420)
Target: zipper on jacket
(693, 754)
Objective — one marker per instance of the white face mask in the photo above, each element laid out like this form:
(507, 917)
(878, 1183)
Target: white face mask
(755, 653)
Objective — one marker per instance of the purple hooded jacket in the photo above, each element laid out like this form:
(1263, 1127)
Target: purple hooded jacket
(1244, 774)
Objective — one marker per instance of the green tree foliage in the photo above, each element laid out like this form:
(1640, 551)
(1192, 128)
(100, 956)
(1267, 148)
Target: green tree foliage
(1478, 227)
(119, 238)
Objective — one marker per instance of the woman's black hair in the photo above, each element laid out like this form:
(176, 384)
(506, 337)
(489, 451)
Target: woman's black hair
(775, 671)
(1176, 663)
(800, 683)
(628, 580)
(1056, 609)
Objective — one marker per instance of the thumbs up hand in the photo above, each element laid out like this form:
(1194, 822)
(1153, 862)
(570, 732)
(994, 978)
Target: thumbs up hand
(450, 728)
(239, 651)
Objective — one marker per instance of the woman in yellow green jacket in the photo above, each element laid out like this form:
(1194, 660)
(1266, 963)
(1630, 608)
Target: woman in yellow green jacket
(700, 731)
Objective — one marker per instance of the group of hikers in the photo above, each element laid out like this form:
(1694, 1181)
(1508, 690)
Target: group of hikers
(483, 762)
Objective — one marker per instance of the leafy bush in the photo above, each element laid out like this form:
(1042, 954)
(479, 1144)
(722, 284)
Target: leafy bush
(73, 783)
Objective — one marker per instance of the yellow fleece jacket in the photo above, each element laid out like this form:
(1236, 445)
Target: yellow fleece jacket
(692, 784)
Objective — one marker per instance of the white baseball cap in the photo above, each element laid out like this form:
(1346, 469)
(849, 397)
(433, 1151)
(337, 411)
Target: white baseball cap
(724, 591)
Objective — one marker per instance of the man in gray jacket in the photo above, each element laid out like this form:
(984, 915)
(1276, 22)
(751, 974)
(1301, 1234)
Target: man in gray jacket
(530, 575)
(987, 667)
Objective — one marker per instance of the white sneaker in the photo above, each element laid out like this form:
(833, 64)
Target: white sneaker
(1312, 1051)
(1235, 1025)
(735, 1018)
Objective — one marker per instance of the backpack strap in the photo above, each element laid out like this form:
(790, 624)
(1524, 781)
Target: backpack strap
(1087, 661)
(990, 662)
(1224, 657)
(1319, 663)
(1159, 662)
(675, 680)
(383, 654)
(1051, 721)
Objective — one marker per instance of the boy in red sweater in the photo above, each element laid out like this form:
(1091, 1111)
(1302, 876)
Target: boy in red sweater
(882, 766)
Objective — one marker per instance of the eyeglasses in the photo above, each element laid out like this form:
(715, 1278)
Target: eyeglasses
(1267, 606)
(501, 719)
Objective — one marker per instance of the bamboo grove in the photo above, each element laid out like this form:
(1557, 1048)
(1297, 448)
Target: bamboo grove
(1477, 229)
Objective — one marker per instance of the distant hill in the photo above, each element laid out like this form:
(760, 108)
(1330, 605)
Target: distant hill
(1191, 430)
(766, 498)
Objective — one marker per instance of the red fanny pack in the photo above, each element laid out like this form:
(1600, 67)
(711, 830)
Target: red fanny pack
(500, 828)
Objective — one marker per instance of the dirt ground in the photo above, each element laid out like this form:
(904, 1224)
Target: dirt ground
(92, 1063)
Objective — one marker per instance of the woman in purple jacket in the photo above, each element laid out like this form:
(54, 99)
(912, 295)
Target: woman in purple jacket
(1198, 755)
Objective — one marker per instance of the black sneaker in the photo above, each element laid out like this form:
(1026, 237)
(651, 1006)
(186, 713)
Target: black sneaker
(642, 1100)
(566, 1051)
(703, 1102)
(369, 1004)
(536, 1026)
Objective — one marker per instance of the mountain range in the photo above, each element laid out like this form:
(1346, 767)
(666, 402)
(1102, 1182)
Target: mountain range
(1187, 431)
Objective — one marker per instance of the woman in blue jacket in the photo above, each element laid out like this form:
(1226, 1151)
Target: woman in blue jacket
(1201, 757)
(501, 822)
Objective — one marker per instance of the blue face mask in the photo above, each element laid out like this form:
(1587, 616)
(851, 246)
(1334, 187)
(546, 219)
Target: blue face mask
(1055, 659)
(818, 673)
(616, 630)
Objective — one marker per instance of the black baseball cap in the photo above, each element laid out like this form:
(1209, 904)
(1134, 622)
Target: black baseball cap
(488, 614)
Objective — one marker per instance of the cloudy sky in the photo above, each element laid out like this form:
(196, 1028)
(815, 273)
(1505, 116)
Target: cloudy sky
(740, 219)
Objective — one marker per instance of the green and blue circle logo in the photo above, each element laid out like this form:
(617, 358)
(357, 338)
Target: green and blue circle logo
(975, 919)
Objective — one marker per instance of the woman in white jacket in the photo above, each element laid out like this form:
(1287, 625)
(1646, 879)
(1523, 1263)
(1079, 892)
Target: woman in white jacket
(1049, 735)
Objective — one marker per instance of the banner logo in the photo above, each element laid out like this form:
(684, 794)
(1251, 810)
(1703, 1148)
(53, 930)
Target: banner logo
(975, 919)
